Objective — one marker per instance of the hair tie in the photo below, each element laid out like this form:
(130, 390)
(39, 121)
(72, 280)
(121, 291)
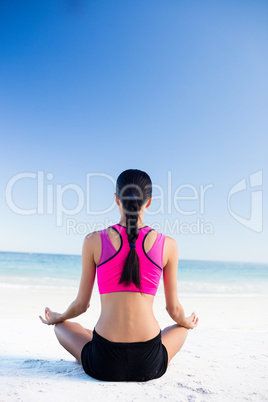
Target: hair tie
(132, 195)
(132, 245)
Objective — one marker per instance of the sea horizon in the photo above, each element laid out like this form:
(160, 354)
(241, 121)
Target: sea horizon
(194, 277)
(180, 259)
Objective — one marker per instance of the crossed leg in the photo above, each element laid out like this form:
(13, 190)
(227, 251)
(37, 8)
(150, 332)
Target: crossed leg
(73, 337)
(173, 338)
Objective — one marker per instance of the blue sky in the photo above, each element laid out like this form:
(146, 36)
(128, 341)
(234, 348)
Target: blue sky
(175, 88)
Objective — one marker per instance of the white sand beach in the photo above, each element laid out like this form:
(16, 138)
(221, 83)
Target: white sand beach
(223, 359)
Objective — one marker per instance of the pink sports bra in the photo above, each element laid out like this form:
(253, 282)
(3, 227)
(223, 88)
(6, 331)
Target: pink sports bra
(110, 266)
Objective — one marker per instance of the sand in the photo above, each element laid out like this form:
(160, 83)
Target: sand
(223, 359)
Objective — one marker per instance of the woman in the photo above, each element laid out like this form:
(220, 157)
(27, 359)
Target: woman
(126, 343)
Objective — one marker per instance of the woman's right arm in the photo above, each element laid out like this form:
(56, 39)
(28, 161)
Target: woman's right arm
(173, 306)
(81, 303)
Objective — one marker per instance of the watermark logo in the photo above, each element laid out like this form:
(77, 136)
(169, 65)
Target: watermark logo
(45, 197)
(176, 226)
(254, 222)
(181, 207)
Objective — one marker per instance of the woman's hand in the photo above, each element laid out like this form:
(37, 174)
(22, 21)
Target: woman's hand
(51, 317)
(191, 322)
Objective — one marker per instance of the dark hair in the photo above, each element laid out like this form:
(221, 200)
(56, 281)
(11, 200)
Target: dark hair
(133, 189)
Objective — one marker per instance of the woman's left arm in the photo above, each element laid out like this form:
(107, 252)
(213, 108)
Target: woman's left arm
(82, 301)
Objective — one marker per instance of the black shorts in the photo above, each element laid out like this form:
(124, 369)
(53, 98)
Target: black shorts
(118, 361)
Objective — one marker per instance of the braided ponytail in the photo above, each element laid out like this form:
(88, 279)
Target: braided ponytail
(133, 188)
(131, 270)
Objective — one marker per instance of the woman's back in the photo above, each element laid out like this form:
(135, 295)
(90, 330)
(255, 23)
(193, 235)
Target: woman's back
(127, 316)
(127, 343)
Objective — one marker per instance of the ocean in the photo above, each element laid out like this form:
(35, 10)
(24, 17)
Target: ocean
(193, 277)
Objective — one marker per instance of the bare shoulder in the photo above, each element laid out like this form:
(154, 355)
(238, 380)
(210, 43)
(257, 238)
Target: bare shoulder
(92, 247)
(170, 243)
(170, 250)
(92, 238)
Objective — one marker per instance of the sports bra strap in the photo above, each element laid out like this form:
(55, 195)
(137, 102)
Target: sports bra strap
(111, 262)
(155, 254)
(107, 248)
